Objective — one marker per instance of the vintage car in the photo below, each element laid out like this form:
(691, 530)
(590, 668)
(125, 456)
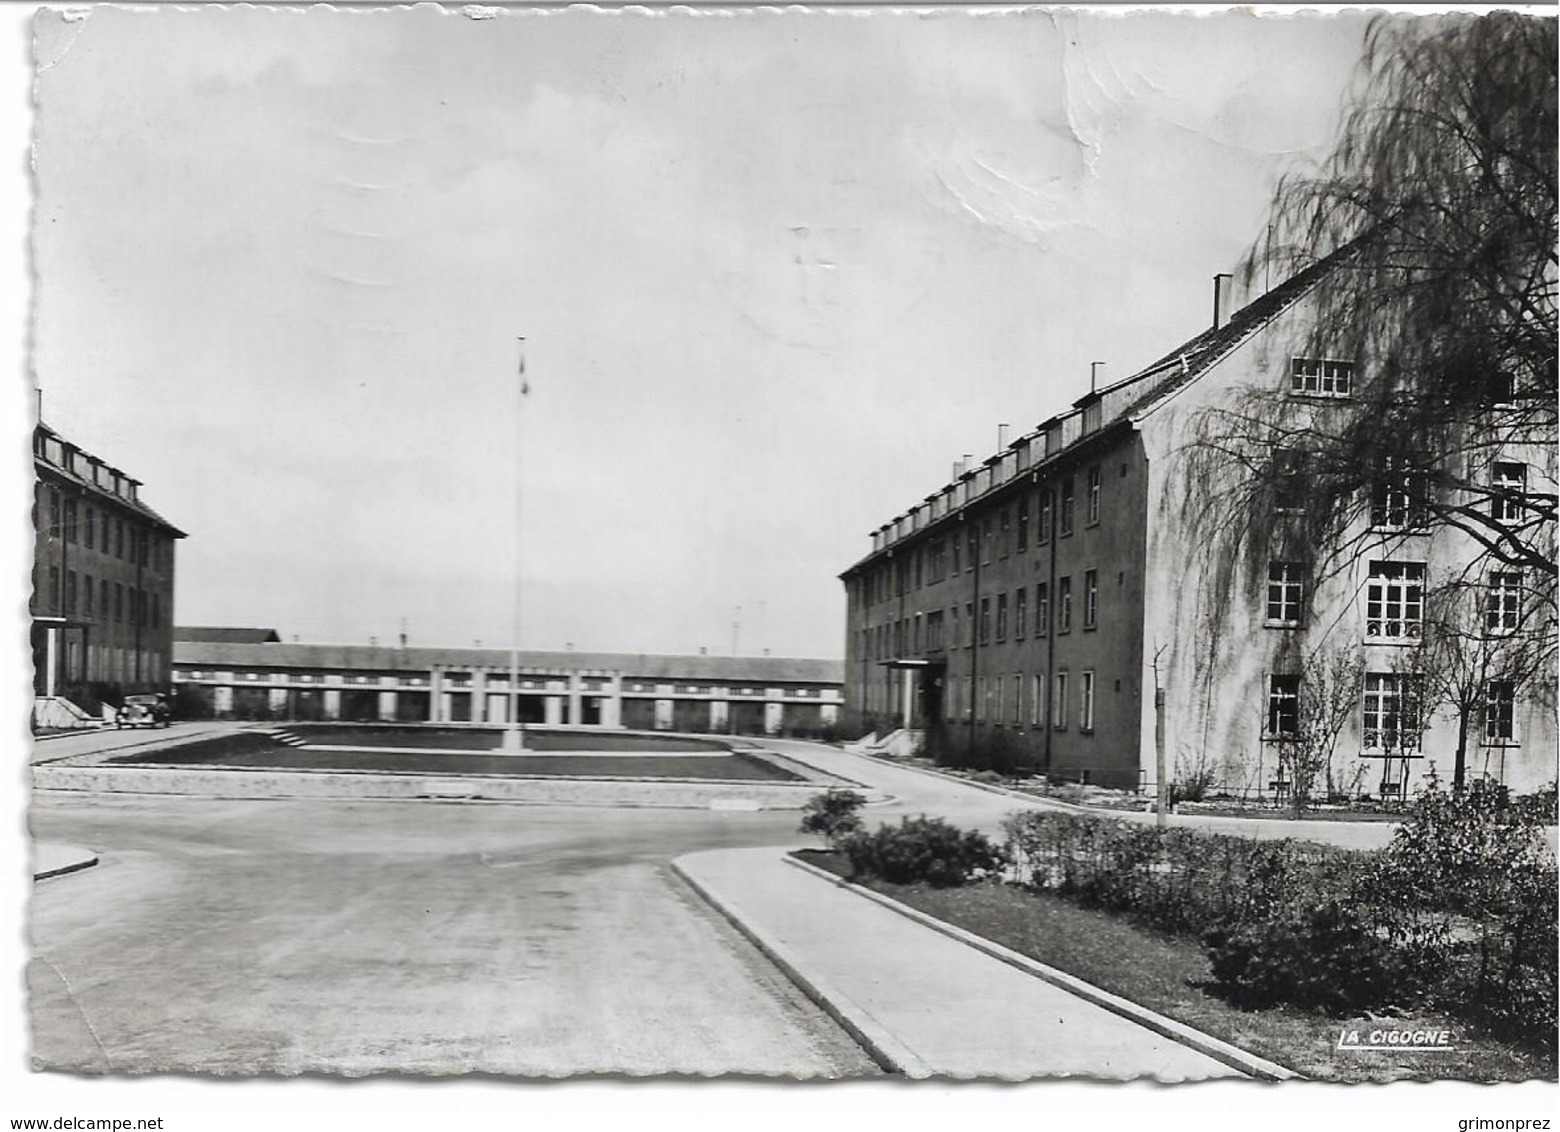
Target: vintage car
(143, 711)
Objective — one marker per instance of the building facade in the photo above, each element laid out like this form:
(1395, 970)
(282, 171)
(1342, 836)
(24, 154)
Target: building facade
(103, 582)
(1078, 603)
(239, 674)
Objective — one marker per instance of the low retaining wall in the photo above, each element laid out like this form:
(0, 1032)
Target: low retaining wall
(249, 783)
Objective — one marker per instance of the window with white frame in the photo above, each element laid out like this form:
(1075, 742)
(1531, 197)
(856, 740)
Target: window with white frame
(1092, 505)
(1091, 599)
(1037, 701)
(1500, 701)
(1285, 593)
(1043, 520)
(1391, 716)
(1002, 617)
(1064, 605)
(1020, 612)
(1503, 601)
(1042, 609)
(1398, 495)
(1394, 600)
(1086, 702)
(1321, 377)
(1018, 700)
(1510, 487)
(1283, 707)
(1067, 506)
(1059, 698)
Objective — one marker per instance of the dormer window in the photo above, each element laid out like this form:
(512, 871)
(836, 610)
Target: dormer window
(1321, 377)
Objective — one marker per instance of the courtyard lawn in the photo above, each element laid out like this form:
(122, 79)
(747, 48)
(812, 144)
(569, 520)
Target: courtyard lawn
(260, 751)
(490, 738)
(1170, 975)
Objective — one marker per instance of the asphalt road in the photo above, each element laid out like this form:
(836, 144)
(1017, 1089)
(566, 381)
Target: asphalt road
(293, 937)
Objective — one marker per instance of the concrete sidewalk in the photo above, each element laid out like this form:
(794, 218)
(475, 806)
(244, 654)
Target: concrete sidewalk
(922, 1003)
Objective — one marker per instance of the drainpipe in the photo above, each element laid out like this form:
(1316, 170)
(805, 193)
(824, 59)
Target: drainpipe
(975, 630)
(1050, 629)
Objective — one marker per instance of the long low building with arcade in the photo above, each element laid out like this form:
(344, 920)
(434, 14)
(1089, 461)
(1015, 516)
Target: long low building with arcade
(252, 674)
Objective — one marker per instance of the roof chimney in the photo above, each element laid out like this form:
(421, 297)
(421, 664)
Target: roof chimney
(1223, 298)
(1094, 376)
(1002, 430)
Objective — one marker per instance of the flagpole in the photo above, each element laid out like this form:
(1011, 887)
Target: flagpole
(514, 737)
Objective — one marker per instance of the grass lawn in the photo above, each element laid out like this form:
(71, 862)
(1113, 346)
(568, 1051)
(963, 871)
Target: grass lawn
(1169, 975)
(479, 739)
(257, 751)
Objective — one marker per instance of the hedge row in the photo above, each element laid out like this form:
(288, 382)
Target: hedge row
(1459, 912)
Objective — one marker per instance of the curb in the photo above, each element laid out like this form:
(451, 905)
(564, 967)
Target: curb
(881, 1046)
(1206, 1044)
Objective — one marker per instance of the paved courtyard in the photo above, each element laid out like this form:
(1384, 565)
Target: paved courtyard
(268, 936)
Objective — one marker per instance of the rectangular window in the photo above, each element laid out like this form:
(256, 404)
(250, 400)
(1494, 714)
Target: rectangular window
(1092, 507)
(1023, 524)
(103, 606)
(1289, 486)
(86, 596)
(91, 539)
(996, 691)
(972, 546)
(54, 512)
(954, 640)
(934, 631)
(1321, 377)
(70, 520)
(1064, 605)
(982, 707)
(1503, 601)
(1391, 711)
(1283, 711)
(1510, 488)
(969, 622)
(1500, 700)
(1002, 617)
(119, 538)
(986, 539)
(156, 611)
(54, 588)
(957, 554)
(1059, 698)
(1285, 593)
(1004, 531)
(1017, 709)
(1037, 701)
(119, 601)
(1042, 609)
(1068, 506)
(1394, 600)
(937, 561)
(1397, 498)
(1020, 613)
(1043, 533)
(1086, 702)
(1091, 599)
(70, 591)
(985, 620)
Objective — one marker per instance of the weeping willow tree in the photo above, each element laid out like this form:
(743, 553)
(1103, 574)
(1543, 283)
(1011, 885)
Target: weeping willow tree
(1440, 202)
(1425, 248)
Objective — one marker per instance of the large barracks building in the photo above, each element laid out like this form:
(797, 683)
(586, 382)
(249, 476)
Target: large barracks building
(1059, 600)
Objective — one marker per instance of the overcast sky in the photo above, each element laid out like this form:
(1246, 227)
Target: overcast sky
(777, 272)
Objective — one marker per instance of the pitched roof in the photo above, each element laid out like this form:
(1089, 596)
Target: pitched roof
(92, 488)
(380, 658)
(224, 635)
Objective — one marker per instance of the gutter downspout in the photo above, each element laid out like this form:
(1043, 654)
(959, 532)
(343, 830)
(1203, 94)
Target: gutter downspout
(1050, 630)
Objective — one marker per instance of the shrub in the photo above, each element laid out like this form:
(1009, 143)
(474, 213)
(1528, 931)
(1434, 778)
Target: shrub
(923, 849)
(833, 815)
(1326, 958)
